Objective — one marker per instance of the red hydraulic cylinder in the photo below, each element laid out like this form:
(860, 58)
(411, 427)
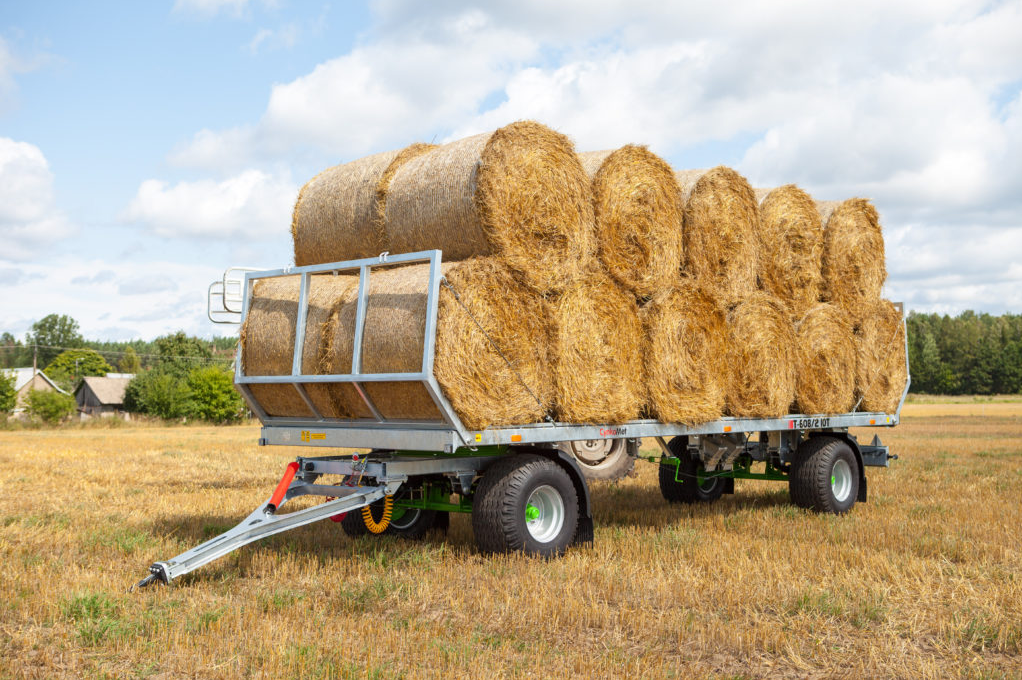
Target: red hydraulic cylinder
(285, 482)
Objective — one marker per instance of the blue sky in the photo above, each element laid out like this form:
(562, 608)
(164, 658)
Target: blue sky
(144, 147)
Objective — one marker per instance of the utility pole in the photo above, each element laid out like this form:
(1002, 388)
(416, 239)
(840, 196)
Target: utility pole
(35, 358)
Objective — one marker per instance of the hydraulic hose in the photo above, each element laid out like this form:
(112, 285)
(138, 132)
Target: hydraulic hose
(379, 527)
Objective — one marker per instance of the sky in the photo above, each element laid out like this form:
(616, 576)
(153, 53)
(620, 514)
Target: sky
(147, 146)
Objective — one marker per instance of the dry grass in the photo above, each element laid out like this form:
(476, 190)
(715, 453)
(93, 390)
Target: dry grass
(922, 581)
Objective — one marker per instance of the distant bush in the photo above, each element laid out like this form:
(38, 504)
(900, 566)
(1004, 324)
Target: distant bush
(212, 395)
(8, 396)
(50, 406)
(157, 393)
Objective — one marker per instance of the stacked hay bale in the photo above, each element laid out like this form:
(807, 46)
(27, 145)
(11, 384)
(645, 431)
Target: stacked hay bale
(762, 361)
(854, 272)
(720, 232)
(853, 266)
(339, 213)
(685, 346)
(597, 352)
(748, 302)
(268, 340)
(639, 213)
(790, 247)
(826, 361)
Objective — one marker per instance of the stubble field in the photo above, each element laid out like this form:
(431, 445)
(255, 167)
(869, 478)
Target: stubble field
(924, 580)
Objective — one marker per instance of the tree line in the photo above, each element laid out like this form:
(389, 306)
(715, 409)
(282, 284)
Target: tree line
(176, 375)
(966, 354)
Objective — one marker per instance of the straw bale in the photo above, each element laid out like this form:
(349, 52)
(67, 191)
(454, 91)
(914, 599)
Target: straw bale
(825, 380)
(719, 234)
(479, 384)
(791, 248)
(639, 214)
(853, 255)
(518, 193)
(335, 216)
(685, 349)
(268, 339)
(597, 352)
(880, 341)
(761, 373)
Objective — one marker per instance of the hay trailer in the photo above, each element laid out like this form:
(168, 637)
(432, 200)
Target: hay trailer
(524, 489)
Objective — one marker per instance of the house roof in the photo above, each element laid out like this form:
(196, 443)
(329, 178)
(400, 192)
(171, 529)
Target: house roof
(23, 376)
(109, 391)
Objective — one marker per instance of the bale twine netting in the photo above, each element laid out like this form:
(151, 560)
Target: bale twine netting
(853, 265)
(719, 236)
(597, 352)
(882, 370)
(791, 248)
(685, 350)
(761, 370)
(639, 214)
(518, 193)
(339, 212)
(491, 352)
(268, 339)
(825, 369)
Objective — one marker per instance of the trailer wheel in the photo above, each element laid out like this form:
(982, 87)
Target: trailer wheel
(689, 489)
(602, 459)
(824, 476)
(525, 502)
(413, 523)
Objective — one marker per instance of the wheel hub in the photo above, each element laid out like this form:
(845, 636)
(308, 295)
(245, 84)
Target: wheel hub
(841, 481)
(592, 451)
(544, 513)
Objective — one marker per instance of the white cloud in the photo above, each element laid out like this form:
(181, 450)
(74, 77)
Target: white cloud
(175, 298)
(386, 94)
(29, 218)
(253, 204)
(283, 38)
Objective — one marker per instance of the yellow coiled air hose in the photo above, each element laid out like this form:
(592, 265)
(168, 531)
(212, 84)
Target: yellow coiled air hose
(379, 527)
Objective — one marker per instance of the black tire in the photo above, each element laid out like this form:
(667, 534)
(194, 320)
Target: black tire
(688, 490)
(605, 460)
(412, 524)
(824, 476)
(500, 505)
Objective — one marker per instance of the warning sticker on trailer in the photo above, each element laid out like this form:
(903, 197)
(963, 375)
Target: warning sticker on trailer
(311, 436)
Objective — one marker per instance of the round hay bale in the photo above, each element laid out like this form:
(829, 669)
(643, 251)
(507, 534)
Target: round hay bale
(684, 351)
(268, 340)
(719, 235)
(880, 343)
(639, 214)
(825, 381)
(597, 352)
(519, 194)
(761, 372)
(853, 265)
(791, 248)
(483, 390)
(339, 212)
